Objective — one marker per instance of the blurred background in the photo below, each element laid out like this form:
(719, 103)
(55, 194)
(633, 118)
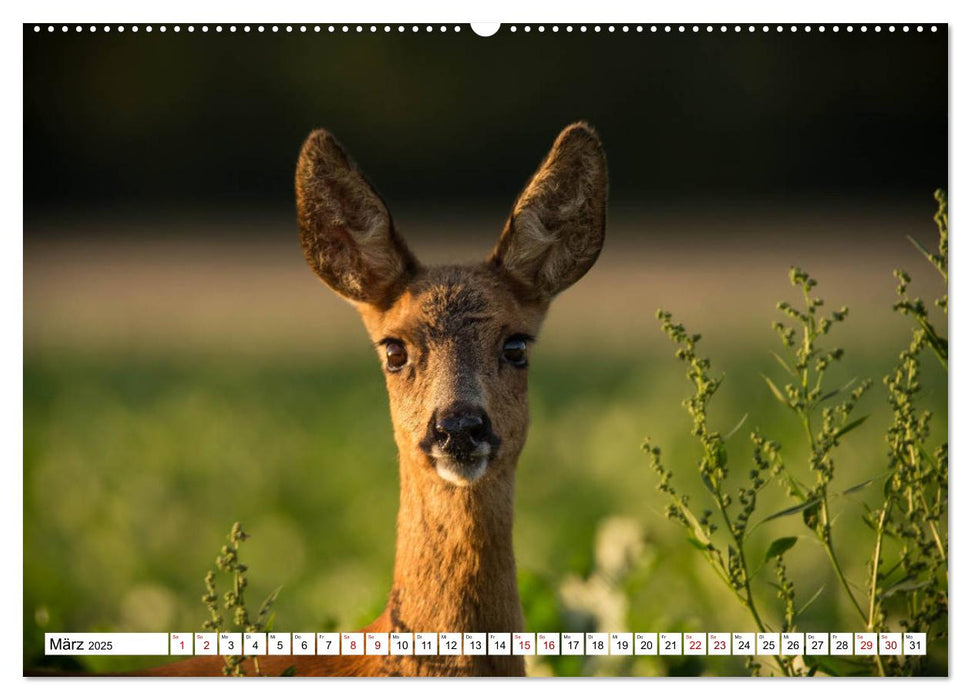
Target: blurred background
(183, 368)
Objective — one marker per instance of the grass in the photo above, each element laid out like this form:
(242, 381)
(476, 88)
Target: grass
(153, 420)
(134, 468)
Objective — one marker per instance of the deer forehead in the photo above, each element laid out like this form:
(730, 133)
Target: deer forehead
(445, 305)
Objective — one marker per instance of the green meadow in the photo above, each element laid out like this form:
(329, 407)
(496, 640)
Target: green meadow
(164, 402)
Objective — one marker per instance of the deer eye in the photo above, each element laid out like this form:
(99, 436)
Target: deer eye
(395, 354)
(514, 352)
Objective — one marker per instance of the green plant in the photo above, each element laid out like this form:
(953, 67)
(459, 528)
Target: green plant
(908, 569)
(914, 508)
(234, 601)
(726, 554)
(825, 414)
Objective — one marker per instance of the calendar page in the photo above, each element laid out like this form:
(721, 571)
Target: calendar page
(514, 349)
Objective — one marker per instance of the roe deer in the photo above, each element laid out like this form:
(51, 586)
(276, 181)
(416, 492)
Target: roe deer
(454, 342)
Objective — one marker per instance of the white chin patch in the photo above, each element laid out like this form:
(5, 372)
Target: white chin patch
(461, 473)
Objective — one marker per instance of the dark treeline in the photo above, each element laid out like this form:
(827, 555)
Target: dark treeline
(214, 119)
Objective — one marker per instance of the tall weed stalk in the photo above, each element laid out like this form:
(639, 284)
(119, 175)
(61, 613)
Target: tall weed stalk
(234, 601)
(907, 573)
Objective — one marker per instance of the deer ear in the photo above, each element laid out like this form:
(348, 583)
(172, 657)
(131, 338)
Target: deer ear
(346, 231)
(556, 229)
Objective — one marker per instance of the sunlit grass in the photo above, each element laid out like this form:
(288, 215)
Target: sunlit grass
(135, 466)
(172, 388)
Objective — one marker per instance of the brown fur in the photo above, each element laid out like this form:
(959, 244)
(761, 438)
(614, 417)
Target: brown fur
(454, 566)
(347, 234)
(557, 227)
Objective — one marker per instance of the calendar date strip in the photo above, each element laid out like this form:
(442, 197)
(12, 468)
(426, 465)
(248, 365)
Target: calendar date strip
(487, 644)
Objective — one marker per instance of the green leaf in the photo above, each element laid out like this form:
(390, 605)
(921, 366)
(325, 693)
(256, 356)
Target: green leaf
(693, 521)
(886, 574)
(795, 485)
(850, 426)
(919, 246)
(828, 395)
(903, 587)
(736, 428)
(697, 544)
(793, 510)
(289, 671)
(270, 620)
(780, 547)
(861, 485)
(775, 391)
(785, 365)
(937, 343)
(811, 600)
(265, 607)
(706, 480)
(836, 392)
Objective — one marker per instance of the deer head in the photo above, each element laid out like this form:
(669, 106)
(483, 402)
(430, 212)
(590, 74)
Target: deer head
(454, 341)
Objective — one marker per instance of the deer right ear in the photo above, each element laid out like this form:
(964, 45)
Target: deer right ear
(556, 229)
(346, 231)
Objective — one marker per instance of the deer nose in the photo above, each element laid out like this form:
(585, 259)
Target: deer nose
(461, 427)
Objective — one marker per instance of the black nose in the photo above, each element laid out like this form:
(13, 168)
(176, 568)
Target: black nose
(459, 431)
(460, 426)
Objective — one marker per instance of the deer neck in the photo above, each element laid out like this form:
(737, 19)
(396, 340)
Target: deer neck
(454, 564)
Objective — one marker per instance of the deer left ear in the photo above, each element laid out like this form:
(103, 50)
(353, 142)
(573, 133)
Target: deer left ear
(347, 233)
(556, 229)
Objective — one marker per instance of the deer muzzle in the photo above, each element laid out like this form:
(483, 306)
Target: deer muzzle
(460, 442)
